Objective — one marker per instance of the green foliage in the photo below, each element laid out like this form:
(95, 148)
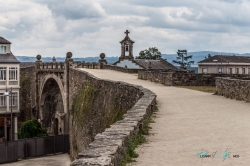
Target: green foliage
(83, 103)
(30, 129)
(182, 59)
(137, 140)
(151, 53)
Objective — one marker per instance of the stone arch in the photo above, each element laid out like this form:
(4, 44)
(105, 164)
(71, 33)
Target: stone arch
(47, 93)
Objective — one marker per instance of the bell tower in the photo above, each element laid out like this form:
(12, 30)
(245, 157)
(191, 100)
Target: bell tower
(127, 47)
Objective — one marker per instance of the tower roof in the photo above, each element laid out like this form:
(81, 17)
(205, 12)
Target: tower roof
(126, 38)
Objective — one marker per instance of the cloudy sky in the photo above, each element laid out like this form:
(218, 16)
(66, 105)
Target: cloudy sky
(89, 27)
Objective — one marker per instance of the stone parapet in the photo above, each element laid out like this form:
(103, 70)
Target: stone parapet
(121, 69)
(233, 88)
(108, 147)
(182, 78)
(50, 66)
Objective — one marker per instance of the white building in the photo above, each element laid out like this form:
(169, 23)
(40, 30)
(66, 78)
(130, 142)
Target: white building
(225, 64)
(9, 81)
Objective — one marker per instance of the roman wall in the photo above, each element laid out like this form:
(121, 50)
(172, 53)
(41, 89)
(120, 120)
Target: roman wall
(238, 89)
(104, 115)
(27, 94)
(182, 78)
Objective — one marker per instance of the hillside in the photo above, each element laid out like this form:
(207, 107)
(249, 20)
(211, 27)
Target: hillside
(197, 56)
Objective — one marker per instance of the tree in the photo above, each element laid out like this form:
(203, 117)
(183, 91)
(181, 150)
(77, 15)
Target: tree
(151, 53)
(182, 59)
(30, 129)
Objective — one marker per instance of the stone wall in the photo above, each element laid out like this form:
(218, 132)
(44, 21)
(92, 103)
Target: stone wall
(97, 143)
(181, 78)
(27, 94)
(238, 89)
(96, 104)
(121, 69)
(98, 65)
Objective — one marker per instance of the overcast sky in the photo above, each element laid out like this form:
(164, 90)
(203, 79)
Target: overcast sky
(89, 27)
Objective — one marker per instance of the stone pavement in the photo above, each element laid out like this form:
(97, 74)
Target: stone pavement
(55, 160)
(190, 123)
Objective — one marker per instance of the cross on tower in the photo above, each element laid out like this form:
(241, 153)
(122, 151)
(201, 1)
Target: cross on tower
(127, 32)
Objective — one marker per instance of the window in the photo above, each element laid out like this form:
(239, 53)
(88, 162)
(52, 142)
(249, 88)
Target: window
(204, 70)
(2, 100)
(13, 97)
(13, 73)
(2, 49)
(230, 71)
(126, 47)
(220, 70)
(243, 71)
(237, 70)
(2, 73)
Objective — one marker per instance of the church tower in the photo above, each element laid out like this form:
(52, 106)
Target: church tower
(127, 47)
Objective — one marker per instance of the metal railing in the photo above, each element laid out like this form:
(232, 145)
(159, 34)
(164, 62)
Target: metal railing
(33, 147)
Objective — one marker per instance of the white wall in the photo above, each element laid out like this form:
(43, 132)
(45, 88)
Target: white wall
(128, 63)
(6, 84)
(7, 47)
(225, 68)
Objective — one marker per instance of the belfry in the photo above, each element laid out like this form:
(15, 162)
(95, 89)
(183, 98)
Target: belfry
(127, 47)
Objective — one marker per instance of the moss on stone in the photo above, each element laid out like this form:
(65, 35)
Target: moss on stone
(117, 115)
(83, 104)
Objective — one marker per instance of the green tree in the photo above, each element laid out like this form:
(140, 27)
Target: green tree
(151, 53)
(30, 129)
(182, 59)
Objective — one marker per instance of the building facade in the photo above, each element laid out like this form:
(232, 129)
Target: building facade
(225, 65)
(9, 91)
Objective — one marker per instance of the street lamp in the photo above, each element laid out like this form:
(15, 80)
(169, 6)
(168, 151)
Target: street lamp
(9, 93)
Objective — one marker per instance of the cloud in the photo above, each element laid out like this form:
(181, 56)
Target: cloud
(87, 28)
(76, 9)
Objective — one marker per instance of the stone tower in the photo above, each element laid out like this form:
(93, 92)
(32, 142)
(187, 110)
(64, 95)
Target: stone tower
(127, 47)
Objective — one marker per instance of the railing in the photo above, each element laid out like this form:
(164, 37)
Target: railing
(89, 65)
(33, 147)
(51, 65)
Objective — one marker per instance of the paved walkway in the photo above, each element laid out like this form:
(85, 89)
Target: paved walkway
(189, 122)
(55, 160)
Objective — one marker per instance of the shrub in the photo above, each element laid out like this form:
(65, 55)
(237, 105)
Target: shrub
(30, 129)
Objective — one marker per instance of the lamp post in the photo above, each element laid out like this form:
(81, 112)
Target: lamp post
(9, 93)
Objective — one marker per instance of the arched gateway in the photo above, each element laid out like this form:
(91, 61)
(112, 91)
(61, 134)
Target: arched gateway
(52, 94)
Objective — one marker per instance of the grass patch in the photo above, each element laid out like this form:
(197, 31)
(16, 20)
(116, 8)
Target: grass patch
(137, 140)
(208, 89)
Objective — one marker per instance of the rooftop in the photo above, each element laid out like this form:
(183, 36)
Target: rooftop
(8, 58)
(155, 64)
(4, 41)
(26, 64)
(226, 59)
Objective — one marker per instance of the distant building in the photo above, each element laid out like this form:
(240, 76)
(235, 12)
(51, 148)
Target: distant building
(225, 64)
(127, 60)
(9, 78)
